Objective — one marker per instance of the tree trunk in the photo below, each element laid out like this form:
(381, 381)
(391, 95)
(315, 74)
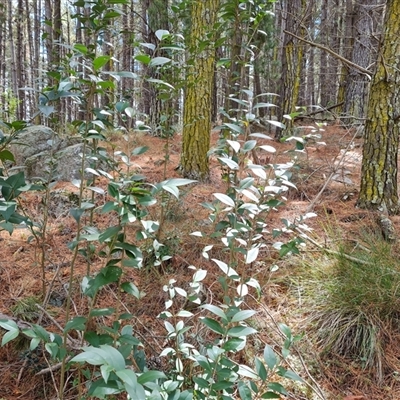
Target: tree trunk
(199, 89)
(364, 54)
(293, 13)
(379, 166)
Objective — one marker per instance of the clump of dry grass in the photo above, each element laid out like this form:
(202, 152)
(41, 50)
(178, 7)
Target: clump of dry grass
(356, 304)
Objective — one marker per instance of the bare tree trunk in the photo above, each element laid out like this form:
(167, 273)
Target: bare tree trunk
(366, 20)
(293, 14)
(13, 60)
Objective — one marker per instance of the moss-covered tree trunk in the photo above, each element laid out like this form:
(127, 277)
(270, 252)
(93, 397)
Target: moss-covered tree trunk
(199, 87)
(379, 166)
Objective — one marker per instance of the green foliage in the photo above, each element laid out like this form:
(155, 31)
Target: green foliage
(102, 344)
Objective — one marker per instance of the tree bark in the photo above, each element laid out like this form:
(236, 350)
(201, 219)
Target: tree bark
(293, 13)
(364, 54)
(379, 166)
(198, 97)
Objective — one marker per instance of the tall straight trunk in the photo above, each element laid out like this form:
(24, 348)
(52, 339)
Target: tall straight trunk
(13, 60)
(57, 50)
(198, 108)
(365, 23)
(293, 13)
(155, 17)
(30, 70)
(347, 43)
(378, 188)
(328, 64)
(3, 35)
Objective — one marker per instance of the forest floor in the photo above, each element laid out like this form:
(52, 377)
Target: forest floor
(337, 159)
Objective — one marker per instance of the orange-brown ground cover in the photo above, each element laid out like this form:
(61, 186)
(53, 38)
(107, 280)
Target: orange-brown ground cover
(21, 273)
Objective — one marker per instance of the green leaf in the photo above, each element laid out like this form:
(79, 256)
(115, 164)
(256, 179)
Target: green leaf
(261, 370)
(223, 198)
(292, 376)
(252, 255)
(6, 155)
(270, 395)
(246, 371)
(76, 213)
(233, 127)
(159, 61)
(101, 312)
(77, 323)
(105, 372)
(150, 376)
(90, 355)
(233, 344)
(244, 391)
(233, 165)
(285, 330)
(139, 150)
(243, 315)
(226, 269)
(215, 310)
(161, 33)
(249, 145)
(41, 332)
(143, 58)
(81, 48)
(213, 325)
(270, 357)
(201, 382)
(277, 387)
(109, 233)
(100, 61)
(12, 329)
(239, 331)
(132, 289)
(160, 82)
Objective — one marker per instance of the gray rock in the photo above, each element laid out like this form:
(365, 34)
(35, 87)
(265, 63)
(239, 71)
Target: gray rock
(43, 154)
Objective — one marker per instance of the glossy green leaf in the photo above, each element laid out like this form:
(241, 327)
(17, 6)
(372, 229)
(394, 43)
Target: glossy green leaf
(270, 357)
(244, 391)
(101, 312)
(109, 233)
(243, 315)
(292, 376)
(270, 395)
(215, 310)
(261, 370)
(223, 198)
(277, 387)
(213, 325)
(156, 61)
(100, 61)
(150, 376)
(76, 213)
(143, 58)
(6, 155)
(239, 331)
(77, 323)
(12, 331)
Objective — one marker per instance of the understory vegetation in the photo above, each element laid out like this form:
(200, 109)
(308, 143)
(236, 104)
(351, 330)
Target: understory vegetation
(156, 292)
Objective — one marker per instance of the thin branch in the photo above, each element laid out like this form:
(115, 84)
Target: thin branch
(332, 53)
(323, 109)
(327, 182)
(333, 252)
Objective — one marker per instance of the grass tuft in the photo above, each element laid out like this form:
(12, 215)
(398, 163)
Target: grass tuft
(359, 304)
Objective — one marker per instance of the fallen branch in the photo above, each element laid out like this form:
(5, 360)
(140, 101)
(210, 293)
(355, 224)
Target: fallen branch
(333, 53)
(323, 109)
